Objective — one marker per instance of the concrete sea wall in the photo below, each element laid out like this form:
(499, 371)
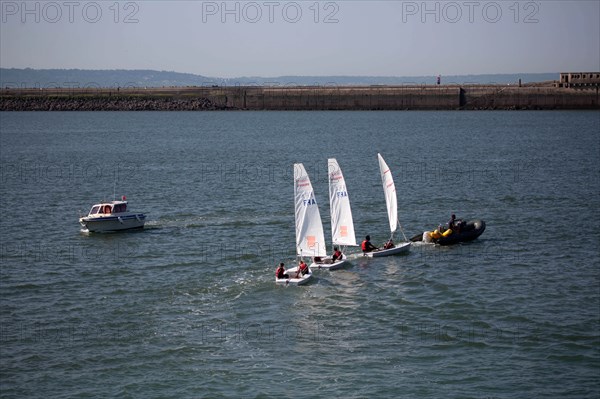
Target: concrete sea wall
(442, 97)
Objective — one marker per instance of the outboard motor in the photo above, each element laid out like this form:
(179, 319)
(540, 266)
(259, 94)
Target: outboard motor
(427, 237)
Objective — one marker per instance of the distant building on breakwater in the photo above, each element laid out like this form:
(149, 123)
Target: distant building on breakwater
(579, 80)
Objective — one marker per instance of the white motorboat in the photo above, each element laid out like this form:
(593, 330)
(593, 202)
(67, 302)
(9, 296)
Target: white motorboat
(112, 216)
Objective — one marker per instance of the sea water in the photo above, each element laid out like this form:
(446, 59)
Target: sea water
(188, 307)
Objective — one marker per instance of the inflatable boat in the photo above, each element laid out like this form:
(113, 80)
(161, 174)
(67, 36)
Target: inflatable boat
(467, 231)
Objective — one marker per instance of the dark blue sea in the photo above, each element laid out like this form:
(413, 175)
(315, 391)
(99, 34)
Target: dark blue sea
(188, 307)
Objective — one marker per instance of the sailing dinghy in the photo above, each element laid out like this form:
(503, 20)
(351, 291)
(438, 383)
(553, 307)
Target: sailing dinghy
(292, 279)
(342, 226)
(392, 209)
(310, 240)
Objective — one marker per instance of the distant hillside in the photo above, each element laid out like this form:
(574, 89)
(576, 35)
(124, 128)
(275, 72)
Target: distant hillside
(50, 78)
(45, 78)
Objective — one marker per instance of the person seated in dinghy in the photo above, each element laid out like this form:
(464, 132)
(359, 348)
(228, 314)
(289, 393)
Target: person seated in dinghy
(389, 244)
(280, 272)
(366, 245)
(302, 269)
(337, 255)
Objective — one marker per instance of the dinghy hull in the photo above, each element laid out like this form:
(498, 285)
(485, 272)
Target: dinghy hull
(293, 280)
(327, 264)
(397, 250)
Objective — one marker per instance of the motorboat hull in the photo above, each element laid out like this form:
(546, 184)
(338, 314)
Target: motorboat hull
(114, 222)
(397, 250)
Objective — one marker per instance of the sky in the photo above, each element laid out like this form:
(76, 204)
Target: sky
(322, 38)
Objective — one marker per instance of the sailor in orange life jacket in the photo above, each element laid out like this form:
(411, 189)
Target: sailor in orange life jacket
(302, 269)
(366, 245)
(337, 255)
(280, 272)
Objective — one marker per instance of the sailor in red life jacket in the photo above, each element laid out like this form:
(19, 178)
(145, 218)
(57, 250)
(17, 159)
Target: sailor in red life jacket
(280, 272)
(302, 269)
(366, 245)
(337, 255)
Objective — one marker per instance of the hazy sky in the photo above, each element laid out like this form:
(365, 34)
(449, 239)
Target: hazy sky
(274, 38)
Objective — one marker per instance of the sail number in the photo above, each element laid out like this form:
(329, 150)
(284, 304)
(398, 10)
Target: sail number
(310, 201)
(342, 194)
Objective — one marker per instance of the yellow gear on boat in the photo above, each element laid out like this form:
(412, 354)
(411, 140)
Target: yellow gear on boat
(447, 233)
(435, 234)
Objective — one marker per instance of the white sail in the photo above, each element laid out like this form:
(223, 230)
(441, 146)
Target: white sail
(310, 240)
(390, 193)
(342, 226)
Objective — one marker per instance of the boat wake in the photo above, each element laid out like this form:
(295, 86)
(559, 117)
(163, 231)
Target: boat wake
(423, 244)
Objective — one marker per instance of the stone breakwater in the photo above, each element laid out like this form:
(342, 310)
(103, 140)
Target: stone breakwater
(94, 103)
(450, 97)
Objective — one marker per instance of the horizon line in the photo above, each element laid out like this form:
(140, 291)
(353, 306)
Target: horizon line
(285, 75)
